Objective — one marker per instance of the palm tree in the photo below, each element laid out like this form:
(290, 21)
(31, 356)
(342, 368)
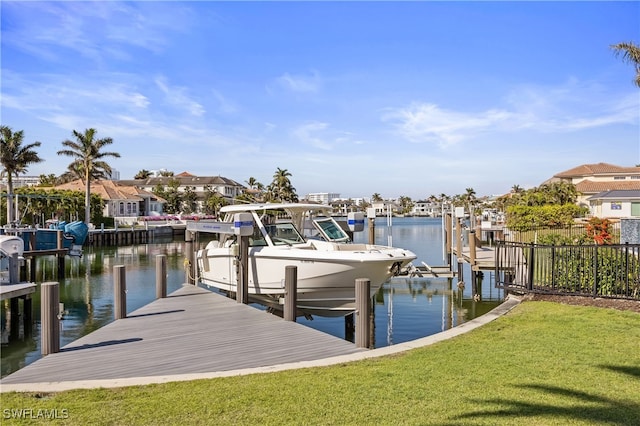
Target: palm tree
(88, 164)
(630, 53)
(281, 188)
(142, 174)
(15, 158)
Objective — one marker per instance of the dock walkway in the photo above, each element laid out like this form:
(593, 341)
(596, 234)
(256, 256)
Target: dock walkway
(192, 331)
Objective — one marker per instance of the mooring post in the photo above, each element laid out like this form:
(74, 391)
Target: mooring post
(472, 248)
(349, 327)
(290, 293)
(189, 276)
(60, 255)
(363, 306)
(161, 276)
(448, 238)
(242, 288)
(119, 291)
(27, 311)
(14, 269)
(49, 317)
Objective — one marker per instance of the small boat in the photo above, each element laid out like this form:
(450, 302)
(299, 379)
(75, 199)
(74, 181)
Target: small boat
(305, 236)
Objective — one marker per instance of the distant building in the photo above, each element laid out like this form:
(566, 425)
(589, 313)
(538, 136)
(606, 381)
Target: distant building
(322, 197)
(592, 179)
(426, 208)
(19, 181)
(121, 201)
(200, 185)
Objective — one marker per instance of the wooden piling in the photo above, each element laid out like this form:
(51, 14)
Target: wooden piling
(119, 292)
(189, 275)
(60, 255)
(372, 230)
(363, 306)
(290, 293)
(161, 276)
(49, 317)
(448, 238)
(14, 269)
(349, 327)
(472, 248)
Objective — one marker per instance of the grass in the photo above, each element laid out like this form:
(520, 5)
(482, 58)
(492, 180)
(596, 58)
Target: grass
(543, 364)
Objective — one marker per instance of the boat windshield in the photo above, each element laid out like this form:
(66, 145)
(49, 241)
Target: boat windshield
(284, 233)
(330, 230)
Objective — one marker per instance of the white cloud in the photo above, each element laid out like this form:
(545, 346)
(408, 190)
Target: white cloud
(308, 134)
(566, 108)
(300, 83)
(176, 96)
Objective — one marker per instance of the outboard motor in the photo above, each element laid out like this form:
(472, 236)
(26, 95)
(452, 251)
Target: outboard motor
(77, 232)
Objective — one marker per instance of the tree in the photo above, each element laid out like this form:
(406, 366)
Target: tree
(631, 54)
(88, 161)
(281, 189)
(142, 174)
(376, 198)
(15, 159)
(48, 180)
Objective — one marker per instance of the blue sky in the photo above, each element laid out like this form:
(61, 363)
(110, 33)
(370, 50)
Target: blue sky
(395, 98)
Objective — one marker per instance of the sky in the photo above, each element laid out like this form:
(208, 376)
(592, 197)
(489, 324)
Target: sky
(395, 98)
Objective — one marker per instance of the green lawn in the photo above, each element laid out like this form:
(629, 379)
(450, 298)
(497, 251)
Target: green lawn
(542, 364)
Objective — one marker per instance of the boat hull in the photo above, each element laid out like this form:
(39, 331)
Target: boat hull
(326, 273)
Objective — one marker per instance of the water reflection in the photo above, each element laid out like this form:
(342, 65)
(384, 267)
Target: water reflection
(87, 294)
(405, 308)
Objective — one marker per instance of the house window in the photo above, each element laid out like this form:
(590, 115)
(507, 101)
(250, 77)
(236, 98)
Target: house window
(616, 205)
(619, 177)
(121, 209)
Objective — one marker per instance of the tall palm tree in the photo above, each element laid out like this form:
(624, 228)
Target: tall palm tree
(630, 53)
(88, 163)
(15, 158)
(281, 188)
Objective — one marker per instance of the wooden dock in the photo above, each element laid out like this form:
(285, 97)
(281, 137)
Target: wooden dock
(12, 291)
(192, 331)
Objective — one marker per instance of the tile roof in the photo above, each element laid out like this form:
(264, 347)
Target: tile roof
(183, 180)
(597, 169)
(592, 187)
(110, 190)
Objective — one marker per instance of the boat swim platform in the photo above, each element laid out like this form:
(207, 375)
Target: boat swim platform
(169, 341)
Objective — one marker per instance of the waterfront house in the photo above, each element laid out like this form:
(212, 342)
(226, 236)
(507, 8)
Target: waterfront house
(200, 185)
(615, 204)
(122, 202)
(593, 179)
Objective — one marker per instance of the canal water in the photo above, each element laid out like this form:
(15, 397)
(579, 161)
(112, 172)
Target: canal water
(405, 309)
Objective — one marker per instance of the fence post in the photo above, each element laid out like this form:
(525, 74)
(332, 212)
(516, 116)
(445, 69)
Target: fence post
(530, 270)
(49, 312)
(290, 293)
(595, 270)
(161, 276)
(119, 292)
(363, 306)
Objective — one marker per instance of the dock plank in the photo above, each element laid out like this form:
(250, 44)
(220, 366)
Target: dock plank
(191, 331)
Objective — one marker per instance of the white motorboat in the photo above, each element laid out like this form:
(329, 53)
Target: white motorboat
(305, 236)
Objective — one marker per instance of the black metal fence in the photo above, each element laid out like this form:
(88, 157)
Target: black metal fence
(587, 270)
